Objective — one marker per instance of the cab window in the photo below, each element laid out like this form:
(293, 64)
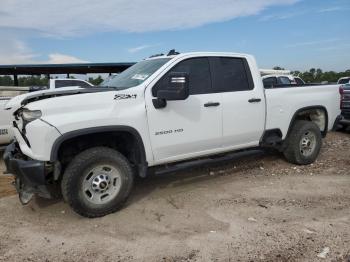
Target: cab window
(270, 82)
(198, 70)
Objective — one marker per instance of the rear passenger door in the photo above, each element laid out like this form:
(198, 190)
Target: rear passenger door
(243, 104)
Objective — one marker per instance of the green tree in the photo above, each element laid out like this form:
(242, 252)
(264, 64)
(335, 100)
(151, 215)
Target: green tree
(6, 81)
(96, 81)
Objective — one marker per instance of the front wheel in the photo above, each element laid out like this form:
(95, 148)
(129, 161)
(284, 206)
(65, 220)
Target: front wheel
(97, 182)
(303, 143)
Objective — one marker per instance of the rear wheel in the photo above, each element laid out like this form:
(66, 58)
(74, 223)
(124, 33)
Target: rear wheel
(97, 182)
(303, 143)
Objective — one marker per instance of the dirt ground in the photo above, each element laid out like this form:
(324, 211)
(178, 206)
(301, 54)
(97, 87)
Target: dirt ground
(5, 182)
(253, 209)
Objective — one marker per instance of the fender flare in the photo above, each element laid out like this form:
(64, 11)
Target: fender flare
(86, 131)
(324, 133)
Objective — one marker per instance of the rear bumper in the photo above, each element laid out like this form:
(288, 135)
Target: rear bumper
(30, 174)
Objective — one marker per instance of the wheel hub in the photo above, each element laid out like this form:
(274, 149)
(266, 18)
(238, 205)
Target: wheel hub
(308, 143)
(101, 184)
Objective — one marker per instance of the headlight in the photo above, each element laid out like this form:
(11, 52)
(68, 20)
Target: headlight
(30, 115)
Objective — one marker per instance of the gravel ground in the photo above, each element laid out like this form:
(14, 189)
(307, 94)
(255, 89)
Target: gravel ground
(254, 209)
(5, 182)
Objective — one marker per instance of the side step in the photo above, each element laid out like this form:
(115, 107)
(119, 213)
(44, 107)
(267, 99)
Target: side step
(205, 161)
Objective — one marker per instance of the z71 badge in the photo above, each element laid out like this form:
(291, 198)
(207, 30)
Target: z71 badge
(124, 96)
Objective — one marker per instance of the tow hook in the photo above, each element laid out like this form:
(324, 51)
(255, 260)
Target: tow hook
(25, 194)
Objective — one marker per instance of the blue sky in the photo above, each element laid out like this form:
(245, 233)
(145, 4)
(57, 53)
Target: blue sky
(289, 33)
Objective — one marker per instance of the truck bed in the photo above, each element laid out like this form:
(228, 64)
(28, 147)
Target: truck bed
(282, 103)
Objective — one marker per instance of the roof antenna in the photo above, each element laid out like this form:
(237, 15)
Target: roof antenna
(172, 52)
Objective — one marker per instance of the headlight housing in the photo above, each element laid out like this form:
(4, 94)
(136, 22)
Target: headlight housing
(30, 115)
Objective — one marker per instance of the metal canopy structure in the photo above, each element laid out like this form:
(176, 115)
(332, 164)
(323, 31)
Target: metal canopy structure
(49, 69)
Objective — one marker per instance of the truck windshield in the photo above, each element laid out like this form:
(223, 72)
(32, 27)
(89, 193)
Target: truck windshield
(108, 80)
(136, 74)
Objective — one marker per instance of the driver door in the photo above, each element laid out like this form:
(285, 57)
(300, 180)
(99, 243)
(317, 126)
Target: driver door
(186, 128)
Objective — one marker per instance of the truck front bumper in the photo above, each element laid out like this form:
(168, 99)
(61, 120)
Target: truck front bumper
(30, 175)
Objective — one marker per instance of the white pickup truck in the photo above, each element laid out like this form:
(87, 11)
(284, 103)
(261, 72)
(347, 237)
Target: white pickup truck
(7, 93)
(161, 114)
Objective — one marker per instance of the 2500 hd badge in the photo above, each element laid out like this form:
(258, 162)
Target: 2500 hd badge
(168, 132)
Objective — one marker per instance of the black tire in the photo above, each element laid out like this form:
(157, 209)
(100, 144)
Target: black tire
(75, 178)
(294, 152)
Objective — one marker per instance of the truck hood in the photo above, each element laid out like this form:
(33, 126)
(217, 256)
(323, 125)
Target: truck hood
(90, 109)
(21, 100)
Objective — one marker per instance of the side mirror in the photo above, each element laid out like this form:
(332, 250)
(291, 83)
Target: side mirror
(176, 89)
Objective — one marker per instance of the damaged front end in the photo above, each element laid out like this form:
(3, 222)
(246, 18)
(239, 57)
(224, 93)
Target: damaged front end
(31, 176)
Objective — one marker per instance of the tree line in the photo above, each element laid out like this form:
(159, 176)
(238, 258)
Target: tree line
(312, 76)
(38, 80)
(318, 75)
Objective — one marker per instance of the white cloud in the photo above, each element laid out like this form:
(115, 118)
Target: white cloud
(140, 48)
(14, 51)
(57, 58)
(314, 43)
(71, 18)
(330, 9)
(285, 16)
(339, 47)
(281, 16)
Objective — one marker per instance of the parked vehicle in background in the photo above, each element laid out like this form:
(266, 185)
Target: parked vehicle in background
(108, 80)
(6, 133)
(59, 83)
(7, 93)
(345, 106)
(300, 81)
(164, 113)
(344, 80)
(271, 81)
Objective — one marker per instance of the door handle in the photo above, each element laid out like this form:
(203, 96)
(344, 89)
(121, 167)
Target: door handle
(254, 100)
(211, 104)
